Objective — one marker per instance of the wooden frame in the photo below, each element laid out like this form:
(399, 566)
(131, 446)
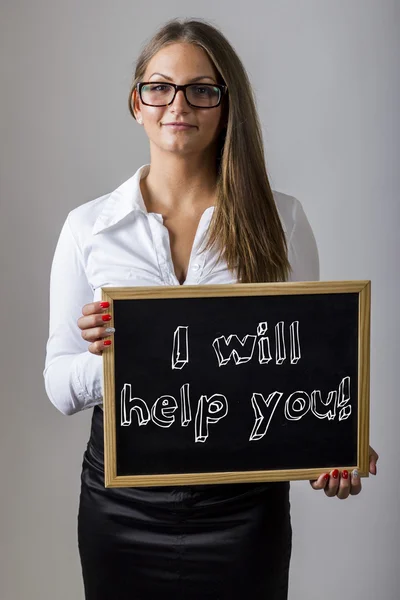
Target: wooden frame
(362, 288)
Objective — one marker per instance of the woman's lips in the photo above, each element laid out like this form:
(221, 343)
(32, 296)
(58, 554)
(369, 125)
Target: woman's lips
(179, 126)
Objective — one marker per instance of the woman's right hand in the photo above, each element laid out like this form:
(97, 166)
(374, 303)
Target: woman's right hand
(95, 326)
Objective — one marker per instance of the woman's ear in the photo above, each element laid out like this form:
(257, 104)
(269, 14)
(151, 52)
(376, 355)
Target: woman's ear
(136, 106)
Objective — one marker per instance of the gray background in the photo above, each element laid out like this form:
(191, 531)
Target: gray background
(326, 76)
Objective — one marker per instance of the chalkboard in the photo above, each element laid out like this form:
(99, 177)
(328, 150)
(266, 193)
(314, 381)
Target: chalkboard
(231, 383)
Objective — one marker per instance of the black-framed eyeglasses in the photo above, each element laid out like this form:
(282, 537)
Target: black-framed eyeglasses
(198, 95)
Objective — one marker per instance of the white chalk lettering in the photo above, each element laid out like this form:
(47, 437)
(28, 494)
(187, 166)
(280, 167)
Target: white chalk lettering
(209, 410)
(297, 405)
(232, 347)
(295, 352)
(263, 411)
(180, 349)
(162, 411)
(344, 398)
(128, 404)
(280, 343)
(264, 351)
(344, 392)
(321, 409)
(344, 413)
(186, 414)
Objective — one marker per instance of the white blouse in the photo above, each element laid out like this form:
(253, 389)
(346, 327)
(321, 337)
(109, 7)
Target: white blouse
(114, 241)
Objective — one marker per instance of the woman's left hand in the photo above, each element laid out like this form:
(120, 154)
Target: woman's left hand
(344, 484)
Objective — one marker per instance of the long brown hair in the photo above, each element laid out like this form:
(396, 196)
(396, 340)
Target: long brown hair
(245, 226)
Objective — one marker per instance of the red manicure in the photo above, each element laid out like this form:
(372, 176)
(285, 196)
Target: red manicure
(345, 474)
(326, 477)
(335, 474)
(107, 342)
(104, 304)
(106, 317)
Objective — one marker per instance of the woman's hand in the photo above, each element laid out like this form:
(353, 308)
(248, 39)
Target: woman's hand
(344, 484)
(95, 326)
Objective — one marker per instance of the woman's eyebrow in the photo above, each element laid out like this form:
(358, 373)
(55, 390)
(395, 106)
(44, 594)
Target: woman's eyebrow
(190, 81)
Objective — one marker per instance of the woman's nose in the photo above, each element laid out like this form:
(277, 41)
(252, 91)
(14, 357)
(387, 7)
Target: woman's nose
(180, 101)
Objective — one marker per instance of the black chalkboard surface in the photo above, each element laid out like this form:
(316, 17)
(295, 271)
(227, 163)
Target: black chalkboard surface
(229, 383)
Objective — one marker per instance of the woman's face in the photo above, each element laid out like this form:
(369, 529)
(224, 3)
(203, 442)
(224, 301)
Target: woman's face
(180, 63)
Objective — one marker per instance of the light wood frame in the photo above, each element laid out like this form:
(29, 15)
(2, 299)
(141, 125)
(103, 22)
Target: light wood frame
(362, 288)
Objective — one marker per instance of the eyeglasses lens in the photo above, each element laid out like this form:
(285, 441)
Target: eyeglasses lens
(202, 96)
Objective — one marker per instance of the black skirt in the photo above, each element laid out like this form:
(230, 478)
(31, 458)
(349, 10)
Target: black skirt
(212, 542)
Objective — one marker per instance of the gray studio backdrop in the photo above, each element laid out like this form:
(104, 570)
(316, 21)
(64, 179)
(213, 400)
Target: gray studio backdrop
(326, 76)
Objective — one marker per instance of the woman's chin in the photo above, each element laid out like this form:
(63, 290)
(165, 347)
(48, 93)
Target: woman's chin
(178, 147)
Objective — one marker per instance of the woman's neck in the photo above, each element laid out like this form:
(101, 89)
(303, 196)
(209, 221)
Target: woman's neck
(179, 184)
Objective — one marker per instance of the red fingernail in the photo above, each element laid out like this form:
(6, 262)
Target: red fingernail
(345, 474)
(335, 474)
(326, 477)
(107, 342)
(106, 317)
(104, 304)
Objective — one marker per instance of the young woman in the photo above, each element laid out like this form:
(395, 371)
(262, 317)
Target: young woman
(206, 187)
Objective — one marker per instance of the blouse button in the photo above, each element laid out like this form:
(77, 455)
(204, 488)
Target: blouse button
(196, 267)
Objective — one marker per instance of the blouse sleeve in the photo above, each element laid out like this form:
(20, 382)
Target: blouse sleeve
(302, 248)
(72, 374)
